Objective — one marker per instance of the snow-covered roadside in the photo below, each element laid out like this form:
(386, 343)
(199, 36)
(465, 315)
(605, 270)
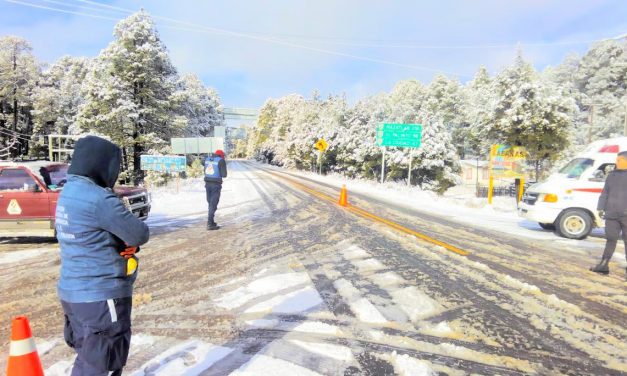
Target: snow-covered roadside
(173, 206)
(461, 207)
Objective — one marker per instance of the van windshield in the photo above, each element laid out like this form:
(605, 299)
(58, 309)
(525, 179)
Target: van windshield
(575, 168)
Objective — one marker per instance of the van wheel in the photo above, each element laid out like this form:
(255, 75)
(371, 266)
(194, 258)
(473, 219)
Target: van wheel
(547, 226)
(574, 224)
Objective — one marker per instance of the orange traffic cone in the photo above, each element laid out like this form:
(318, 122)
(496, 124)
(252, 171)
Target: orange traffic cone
(23, 357)
(343, 197)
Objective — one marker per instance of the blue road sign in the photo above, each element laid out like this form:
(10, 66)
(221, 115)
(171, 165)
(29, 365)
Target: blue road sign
(163, 163)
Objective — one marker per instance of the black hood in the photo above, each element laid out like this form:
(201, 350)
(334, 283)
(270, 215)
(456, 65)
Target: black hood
(98, 159)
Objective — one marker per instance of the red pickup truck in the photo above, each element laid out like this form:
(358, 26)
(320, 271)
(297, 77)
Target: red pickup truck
(29, 192)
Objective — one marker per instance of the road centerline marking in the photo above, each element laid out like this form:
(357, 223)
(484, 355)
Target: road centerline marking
(367, 215)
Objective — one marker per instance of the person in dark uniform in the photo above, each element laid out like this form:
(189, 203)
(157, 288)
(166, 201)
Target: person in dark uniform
(98, 237)
(613, 207)
(215, 171)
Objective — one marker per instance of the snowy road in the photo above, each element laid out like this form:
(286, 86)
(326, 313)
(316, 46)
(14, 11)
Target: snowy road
(296, 285)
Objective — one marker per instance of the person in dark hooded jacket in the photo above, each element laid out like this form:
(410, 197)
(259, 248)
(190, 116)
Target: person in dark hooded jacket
(97, 235)
(613, 207)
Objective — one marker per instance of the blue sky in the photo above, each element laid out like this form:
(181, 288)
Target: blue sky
(406, 39)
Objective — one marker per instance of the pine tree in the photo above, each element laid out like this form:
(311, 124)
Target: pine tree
(18, 75)
(531, 113)
(438, 165)
(57, 97)
(479, 101)
(199, 105)
(602, 79)
(128, 92)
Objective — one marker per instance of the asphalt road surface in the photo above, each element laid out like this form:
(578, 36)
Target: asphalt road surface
(365, 290)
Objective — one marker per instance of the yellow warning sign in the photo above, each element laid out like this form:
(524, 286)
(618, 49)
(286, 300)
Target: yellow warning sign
(14, 208)
(321, 145)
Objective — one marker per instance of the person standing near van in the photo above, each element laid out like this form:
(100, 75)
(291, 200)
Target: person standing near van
(215, 171)
(613, 207)
(98, 237)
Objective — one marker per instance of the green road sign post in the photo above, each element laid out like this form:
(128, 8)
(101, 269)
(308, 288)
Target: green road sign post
(398, 135)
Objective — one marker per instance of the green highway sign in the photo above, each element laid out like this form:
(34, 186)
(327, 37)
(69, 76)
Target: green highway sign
(399, 135)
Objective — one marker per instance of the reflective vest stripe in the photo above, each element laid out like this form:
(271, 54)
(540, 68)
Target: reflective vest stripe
(112, 311)
(22, 347)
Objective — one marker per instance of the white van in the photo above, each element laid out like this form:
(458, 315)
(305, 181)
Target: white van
(567, 201)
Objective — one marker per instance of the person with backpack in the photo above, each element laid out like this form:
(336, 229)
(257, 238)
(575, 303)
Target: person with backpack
(215, 171)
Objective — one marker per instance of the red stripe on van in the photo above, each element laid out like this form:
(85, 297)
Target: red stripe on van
(589, 190)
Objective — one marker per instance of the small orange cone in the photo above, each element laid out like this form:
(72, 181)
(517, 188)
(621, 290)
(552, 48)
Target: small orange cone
(343, 196)
(23, 357)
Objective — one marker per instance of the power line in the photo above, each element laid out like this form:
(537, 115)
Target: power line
(6, 132)
(60, 10)
(65, 4)
(212, 30)
(259, 37)
(395, 45)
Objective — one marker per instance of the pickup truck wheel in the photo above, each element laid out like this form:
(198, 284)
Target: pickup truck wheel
(574, 224)
(547, 226)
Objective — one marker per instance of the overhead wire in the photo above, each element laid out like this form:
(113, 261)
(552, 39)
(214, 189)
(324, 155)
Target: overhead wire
(6, 132)
(342, 41)
(212, 30)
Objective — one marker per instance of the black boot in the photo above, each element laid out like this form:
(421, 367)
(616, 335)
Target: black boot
(602, 267)
(212, 226)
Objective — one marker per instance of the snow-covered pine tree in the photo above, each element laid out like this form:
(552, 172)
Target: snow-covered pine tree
(357, 152)
(479, 102)
(444, 101)
(128, 92)
(57, 97)
(602, 78)
(531, 113)
(18, 75)
(199, 105)
(438, 164)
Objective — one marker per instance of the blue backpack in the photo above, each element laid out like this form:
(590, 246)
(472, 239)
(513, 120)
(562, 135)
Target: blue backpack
(212, 169)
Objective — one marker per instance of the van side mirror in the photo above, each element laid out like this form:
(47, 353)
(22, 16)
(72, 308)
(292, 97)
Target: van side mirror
(598, 176)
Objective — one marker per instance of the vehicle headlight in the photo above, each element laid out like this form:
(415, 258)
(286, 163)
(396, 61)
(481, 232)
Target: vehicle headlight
(126, 202)
(550, 197)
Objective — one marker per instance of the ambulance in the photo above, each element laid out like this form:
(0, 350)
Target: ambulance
(567, 201)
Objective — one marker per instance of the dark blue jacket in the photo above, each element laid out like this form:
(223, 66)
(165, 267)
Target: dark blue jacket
(93, 227)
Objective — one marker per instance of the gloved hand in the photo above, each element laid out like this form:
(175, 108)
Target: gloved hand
(129, 252)
(601, 213)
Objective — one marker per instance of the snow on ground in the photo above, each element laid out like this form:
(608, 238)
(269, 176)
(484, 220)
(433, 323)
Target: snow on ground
(362, 307)
(262, 365)
(17, 256)
(327, 350)
(263, 286)
(460, 205)
(172, 207)
(404, 365)
(189, 358)
(415, 303)
(298, 301)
